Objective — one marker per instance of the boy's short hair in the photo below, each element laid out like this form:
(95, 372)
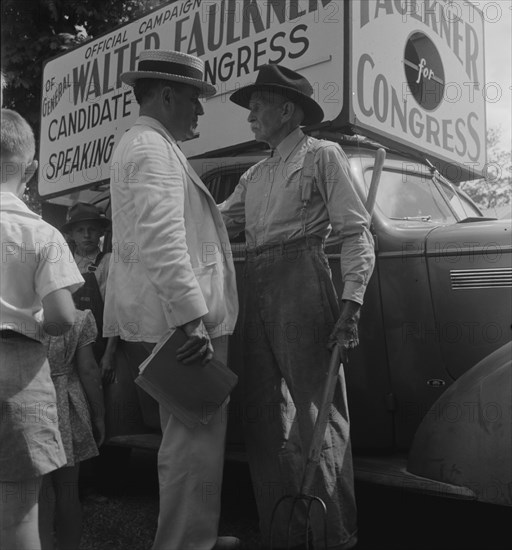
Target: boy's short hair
(17, 141)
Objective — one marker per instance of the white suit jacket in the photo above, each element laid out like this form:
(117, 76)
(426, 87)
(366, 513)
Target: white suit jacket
(171, 260)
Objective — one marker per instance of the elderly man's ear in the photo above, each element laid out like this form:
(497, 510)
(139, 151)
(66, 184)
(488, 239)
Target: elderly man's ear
(292, 111)
(288, 110)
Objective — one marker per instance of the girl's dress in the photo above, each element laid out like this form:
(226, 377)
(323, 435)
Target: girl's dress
(72, 407)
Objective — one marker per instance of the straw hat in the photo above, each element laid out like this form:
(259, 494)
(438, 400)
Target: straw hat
(169, 65)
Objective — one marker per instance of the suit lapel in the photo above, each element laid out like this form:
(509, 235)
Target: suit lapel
(156, 125)
(188, 169)
(217, 216)
(191, 173)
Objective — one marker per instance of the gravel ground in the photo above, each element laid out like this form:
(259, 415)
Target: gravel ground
(123, 515)
(120, 523)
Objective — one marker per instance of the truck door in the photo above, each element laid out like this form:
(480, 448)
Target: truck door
(470, 273)
(408, 208)
(445, 285)
(366, 373)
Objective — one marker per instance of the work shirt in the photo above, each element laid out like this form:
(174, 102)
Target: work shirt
(36, 261)
(268, 203)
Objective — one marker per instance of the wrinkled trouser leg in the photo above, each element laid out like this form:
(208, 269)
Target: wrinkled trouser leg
(290, 308)
(190, 466)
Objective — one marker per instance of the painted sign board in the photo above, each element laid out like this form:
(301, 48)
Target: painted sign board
(405, 72)
(425, 90)
(86, 107)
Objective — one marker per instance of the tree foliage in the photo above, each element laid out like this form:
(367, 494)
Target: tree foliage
(34, 31)
(495, 189)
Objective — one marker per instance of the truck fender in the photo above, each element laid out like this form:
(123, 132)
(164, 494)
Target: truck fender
(466, 437)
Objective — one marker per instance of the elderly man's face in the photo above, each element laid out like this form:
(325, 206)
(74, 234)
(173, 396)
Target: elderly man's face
(265, 109)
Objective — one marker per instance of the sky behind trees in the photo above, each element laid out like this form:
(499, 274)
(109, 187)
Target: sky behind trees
(498, 61)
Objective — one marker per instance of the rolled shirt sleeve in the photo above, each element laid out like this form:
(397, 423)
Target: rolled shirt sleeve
(349, 219)
(56, 268)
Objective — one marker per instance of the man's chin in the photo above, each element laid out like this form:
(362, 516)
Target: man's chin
(191, 134)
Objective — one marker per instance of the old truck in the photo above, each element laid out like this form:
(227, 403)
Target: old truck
(430, 386)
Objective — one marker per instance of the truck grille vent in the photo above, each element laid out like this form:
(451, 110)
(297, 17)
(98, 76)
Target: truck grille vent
(481, 278)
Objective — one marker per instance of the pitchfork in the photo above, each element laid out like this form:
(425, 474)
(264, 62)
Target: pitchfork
(313, 457)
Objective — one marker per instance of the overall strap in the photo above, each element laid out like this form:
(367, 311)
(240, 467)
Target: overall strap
(307, 178)
(96, 262)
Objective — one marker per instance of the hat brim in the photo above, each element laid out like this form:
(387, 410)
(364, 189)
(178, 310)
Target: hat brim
(205, 88)
(313, 113)
(105, 222)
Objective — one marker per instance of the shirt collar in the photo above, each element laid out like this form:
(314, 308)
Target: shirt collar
(10, 202)
(155, 123)
(289, 143)
(81, 260)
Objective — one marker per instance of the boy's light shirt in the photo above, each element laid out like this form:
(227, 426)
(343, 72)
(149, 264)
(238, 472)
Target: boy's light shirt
(36, 261)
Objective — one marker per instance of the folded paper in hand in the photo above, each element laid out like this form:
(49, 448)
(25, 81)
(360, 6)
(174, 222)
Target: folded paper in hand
(193, 392)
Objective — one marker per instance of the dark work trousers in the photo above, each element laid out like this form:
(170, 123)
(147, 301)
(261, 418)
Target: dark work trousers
(290, 310)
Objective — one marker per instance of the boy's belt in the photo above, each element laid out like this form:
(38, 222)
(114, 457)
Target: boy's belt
(7, 333)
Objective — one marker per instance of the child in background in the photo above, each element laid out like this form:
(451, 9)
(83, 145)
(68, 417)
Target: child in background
(77, 380)
(85, 225)
(36, 281)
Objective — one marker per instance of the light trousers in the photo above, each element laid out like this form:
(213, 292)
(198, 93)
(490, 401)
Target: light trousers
(190, 467)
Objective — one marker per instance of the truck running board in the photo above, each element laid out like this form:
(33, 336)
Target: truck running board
(391, 471)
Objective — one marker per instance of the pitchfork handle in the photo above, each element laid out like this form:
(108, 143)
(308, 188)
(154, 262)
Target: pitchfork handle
(317, 440)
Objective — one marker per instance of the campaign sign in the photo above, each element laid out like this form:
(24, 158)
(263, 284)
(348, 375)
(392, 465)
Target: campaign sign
(86, 108)
(418, 79)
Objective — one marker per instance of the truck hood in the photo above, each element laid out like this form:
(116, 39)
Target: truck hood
(472, 237)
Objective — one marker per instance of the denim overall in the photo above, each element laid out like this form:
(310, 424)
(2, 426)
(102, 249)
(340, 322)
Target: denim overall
(89, 297)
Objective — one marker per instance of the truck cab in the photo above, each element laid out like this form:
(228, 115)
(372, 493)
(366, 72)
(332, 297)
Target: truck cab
(430, 385)
(436, 305)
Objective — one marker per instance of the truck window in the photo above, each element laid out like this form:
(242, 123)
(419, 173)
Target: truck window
(462, 205)
(221, 184)
(406, 196)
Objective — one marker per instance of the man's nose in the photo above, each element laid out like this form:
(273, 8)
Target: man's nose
(251, 117)
(200, 110)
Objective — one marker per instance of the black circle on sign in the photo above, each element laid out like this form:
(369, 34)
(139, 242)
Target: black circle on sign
(424, 71)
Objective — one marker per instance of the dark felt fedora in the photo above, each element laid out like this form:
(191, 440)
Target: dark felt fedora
(286, 83)
(83, 212)
(173, 66)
